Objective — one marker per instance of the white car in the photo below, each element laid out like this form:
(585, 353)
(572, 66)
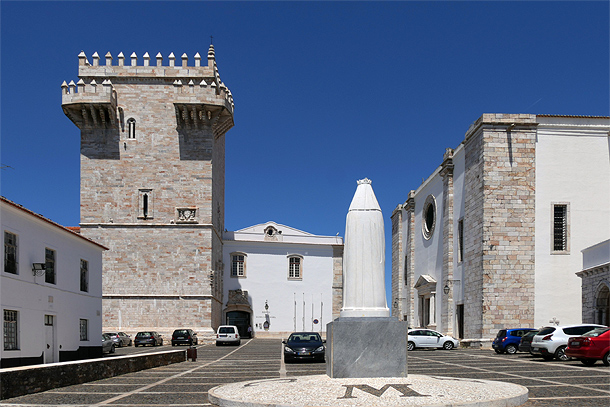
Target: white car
(551, 341)
(427, 338)
(227, 334)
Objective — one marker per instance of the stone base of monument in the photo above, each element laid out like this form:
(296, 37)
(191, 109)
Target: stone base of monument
(366, 347)
(414, 390)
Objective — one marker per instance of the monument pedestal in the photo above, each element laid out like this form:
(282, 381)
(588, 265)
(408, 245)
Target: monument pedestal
(366, 347)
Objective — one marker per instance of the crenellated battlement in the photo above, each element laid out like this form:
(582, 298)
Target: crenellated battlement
(194, 80)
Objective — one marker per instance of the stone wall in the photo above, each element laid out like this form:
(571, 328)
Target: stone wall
(337, 280)
(499, 223)
(398, 275)
(19, 381)
(594, 281)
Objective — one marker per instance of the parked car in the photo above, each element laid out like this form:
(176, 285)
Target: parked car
(508, 340)
(148, 338)
(107, 344)
(591, 347)
(184, 337)
(552, 341)
(525, 345)
(120, 338)
(227, 334)
(303, 346)
(427, 338)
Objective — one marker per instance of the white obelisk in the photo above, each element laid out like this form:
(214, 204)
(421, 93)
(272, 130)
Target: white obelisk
(364, 257)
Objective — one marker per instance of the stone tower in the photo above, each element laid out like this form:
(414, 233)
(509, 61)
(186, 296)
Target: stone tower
(152, 186)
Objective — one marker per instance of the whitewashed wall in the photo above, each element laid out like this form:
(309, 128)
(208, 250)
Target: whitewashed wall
(293, 304)
(573, 167)
(33, 298)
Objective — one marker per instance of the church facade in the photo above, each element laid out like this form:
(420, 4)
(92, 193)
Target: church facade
(493, 238)
(152, 185)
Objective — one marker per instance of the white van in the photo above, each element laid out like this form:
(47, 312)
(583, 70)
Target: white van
(227, 334)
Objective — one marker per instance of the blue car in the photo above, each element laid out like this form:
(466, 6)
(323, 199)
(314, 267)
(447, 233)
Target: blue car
(508, 340)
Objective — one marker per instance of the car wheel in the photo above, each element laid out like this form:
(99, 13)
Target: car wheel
(547, 357)
(154, 343)
(410, 346)
(560, 354)
(511, 349)
(606, 359)
(112, 349)
(238, 342)
(448, 345)
(129, 343)
(498, 351)
(588, 362)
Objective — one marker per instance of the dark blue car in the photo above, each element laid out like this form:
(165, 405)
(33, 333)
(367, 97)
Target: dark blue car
(508, 340)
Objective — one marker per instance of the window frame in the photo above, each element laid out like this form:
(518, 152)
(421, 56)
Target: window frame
(292, 275)
(145, 203)
(83, 326)
(50, 270)
(131, 128)
(234, 272)
(428, 230)
(14, 248)
(564, 230)
(10, 330)
(84, 275)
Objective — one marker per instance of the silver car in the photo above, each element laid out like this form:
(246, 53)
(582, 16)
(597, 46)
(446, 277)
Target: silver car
(107, 344)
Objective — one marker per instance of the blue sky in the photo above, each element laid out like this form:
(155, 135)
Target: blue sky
(325, 93)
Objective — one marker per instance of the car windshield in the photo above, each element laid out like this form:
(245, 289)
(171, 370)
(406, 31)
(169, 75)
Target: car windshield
(596, 332)
(501, 333)
(304, 337)
(111, 333)
(144, 334)
(181, 332)
(530, 334)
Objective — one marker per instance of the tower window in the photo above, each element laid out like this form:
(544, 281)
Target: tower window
(145, 205)
(560, 228)
(131, 128)
(84, 330)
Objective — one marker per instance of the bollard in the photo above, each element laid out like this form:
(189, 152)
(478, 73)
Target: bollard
(191, 353)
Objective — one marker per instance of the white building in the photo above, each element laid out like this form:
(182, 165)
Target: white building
(51, 290)
(492, 238)
(278, 279)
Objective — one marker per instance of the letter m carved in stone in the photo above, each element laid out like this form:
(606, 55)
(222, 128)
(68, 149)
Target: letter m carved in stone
(402, 388)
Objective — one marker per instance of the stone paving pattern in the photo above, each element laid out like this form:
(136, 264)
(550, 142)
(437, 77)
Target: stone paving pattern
(550, 384)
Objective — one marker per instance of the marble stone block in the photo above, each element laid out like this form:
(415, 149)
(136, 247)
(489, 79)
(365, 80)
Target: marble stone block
(366, 347)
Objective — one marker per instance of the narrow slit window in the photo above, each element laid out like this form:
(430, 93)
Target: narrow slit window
(461, 240)
(131, 128)
(145, 206)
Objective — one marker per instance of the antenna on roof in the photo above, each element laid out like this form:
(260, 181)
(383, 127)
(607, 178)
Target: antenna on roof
(211, 39)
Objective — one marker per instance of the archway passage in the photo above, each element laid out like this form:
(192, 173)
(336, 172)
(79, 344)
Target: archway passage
(602, 306)
(241, 319)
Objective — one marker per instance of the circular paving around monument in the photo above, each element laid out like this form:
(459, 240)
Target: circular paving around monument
(414, 390)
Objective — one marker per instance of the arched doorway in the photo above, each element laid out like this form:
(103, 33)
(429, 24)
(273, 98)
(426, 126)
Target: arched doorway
(239, 312)
(602, 306)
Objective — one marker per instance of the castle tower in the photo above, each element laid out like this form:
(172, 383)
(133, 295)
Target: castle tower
(152, 186)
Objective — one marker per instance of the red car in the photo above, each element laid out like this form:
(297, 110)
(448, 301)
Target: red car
(590, 347)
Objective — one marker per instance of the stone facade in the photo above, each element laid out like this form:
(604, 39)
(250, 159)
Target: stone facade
(484, 259)
(152, 186)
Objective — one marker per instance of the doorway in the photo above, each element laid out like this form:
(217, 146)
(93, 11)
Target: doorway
(241, 319)
(49, 327)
